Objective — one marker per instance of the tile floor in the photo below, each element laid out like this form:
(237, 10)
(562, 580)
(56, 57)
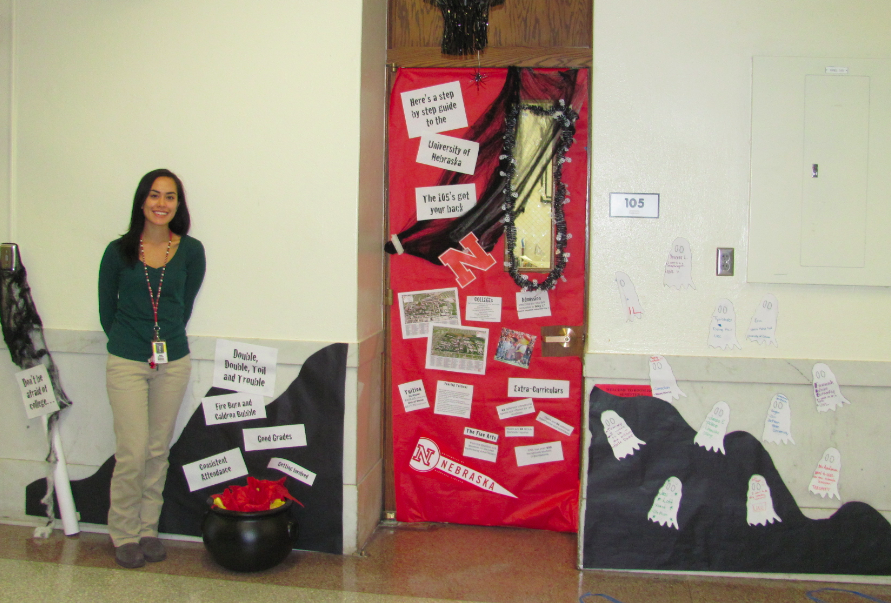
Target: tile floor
(415, 562)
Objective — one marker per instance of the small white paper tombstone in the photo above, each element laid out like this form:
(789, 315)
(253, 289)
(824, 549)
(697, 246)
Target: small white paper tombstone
(711, 434)
(662, 380)
(763, 326)
(778, 424)
(825, 480)
(620, 437)
(679, 265)
(631, 307)
(759, 504)
(666, 504)
(827, 392)
(722, 330)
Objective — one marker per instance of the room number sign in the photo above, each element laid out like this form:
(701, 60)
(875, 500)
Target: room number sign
(634, 205)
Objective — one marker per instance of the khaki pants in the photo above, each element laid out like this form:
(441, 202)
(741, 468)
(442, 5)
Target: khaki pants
(145, 403)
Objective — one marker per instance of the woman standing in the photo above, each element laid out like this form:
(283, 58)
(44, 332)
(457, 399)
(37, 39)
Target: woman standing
(148, 280)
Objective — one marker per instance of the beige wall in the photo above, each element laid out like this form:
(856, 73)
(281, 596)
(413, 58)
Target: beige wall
(273, 113)
(266, 110)
(671, 115)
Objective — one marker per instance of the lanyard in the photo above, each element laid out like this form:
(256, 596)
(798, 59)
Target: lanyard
(155, 300)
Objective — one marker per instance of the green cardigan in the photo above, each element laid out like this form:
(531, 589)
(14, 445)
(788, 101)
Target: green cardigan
(125, 309)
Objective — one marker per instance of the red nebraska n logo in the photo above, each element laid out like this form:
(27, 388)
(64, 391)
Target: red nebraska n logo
(473, 256)
(425, 456)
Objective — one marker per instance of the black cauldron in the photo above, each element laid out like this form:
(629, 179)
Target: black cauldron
(249, 542)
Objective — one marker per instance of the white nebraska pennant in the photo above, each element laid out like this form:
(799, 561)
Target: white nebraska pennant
(427, 457)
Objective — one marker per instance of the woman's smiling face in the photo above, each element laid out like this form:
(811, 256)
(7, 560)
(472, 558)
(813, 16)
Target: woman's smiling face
(160, 205)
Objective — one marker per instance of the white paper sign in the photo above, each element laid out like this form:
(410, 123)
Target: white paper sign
(232, 408)
(662, 380)
(481, 308)
(483, 451)
(37, 391)
(515, 409)
(631, 307)
(244, 367)
(519, 432)
(413, 396)
(448, 153)
(825, 480)
(778, 424)
(280, 436)
(215, 469)
(453, 399)
(533, 304)
(759, 504)
(763, 326)
(536, 454)
(679, 265)
(666, 504)
(827, 392)
(293, 469)
(634, 205)
(722, 330)
(711, 433)
(537, 388)
(434, 109)
(480, 434)
(554, 423)
(620, 437)
(450, 201)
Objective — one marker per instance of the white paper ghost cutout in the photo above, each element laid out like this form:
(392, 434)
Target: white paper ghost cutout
(825, 480)
(711, 434)
(662, 380)
(628, 295)
(763, 326)
(620, 437)
(722, 331)
(759, 504)
(778, 424)
(826, 389)
(666, 504)
(679, 265)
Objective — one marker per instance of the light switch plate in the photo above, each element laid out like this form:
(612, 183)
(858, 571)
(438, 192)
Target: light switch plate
(724, 261)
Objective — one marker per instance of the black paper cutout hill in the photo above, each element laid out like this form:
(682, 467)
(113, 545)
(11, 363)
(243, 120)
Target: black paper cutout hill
(714, 534)
(315, 399)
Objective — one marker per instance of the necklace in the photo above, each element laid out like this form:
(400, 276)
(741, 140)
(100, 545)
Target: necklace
(155, 300)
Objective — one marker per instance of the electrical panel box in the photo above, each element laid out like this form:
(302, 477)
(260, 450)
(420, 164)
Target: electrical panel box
(820, 196)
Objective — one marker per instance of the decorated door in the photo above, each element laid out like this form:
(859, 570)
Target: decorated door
(487, 216)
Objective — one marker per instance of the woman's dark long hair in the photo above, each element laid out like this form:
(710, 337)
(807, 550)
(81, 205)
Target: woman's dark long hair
(129, 242)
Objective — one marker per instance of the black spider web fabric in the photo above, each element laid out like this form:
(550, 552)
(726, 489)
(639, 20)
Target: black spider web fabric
(23, 334)
(428, 239)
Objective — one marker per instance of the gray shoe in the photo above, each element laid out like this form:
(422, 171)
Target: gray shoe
(152, 549)
(129, 555)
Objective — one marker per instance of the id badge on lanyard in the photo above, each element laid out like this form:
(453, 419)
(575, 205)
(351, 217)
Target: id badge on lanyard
(159, 352)
(159, 346)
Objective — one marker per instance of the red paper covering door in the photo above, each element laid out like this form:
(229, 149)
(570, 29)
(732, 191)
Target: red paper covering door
(482, 470)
